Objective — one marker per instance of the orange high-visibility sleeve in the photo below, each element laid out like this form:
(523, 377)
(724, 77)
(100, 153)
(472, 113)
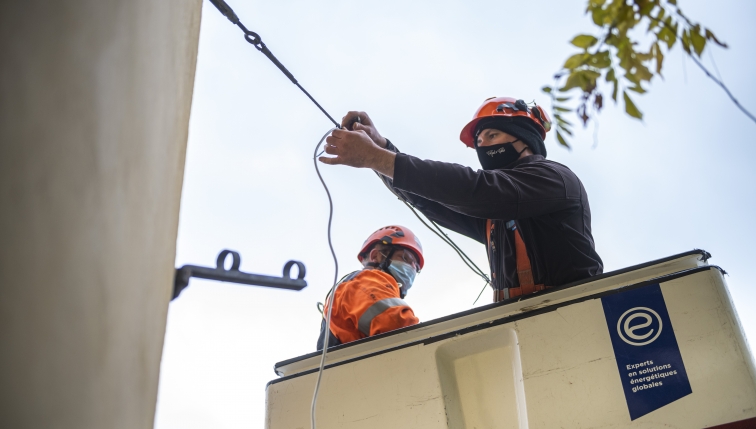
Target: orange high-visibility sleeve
(369, 304)
(393, 318)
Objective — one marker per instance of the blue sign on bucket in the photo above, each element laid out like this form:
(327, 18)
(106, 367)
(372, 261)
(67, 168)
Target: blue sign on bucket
(648, 357)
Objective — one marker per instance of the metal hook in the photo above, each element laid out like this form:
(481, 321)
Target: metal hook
(223, 255)
(300, 268)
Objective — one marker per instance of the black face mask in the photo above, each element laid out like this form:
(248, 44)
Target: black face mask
(497, 156)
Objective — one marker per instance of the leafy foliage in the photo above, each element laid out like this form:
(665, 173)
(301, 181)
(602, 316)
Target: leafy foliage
(617, 58)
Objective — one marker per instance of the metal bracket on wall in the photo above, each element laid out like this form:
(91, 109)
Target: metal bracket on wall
(233, 275)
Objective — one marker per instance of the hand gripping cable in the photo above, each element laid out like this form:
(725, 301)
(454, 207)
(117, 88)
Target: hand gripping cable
(255, 40)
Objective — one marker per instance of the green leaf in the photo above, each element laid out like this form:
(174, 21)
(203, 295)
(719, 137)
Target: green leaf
(562, 99)
(614, 91)
(645, 10)
(563, 122)
(639, 89)
(598, 13)
(641, 56)
(561, 139)
(584, 41)
(698, 41)
(562, 109)
(600, 60)
(598, 16)
(575, 61)
(612, 40)
(546, 89)
(643, 72)
(630, 107)
(667, 36)
(657, 20)
(574, 80)
(627, 55)
(711, 36)
(610, 77)
(686, 41)
(583, 79)
(659, 58)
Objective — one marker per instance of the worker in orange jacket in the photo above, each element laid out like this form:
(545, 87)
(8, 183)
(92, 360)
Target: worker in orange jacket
(370, 301)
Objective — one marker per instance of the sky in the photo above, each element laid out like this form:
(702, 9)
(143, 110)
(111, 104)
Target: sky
(681, 179)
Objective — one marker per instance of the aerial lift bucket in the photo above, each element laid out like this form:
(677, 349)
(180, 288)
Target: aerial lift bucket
(654, 345)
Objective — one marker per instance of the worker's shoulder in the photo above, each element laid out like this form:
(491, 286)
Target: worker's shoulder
(538, 162)
(368, 278)
(367, 286)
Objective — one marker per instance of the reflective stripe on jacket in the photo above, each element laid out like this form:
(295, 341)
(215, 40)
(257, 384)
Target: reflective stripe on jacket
(367, 304)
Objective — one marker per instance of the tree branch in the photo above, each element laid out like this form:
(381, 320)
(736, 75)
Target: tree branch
(711, 76)
(721, 84)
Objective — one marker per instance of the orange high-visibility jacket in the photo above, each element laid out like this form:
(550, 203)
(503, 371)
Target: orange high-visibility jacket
(369, 304)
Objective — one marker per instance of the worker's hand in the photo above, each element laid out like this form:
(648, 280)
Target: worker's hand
(352, 148)
(360, 121)
(357, 149)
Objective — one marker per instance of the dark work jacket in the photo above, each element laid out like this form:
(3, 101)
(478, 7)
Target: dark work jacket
(545, 199)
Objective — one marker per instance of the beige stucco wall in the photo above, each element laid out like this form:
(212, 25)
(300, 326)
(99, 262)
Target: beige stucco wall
(94, 110)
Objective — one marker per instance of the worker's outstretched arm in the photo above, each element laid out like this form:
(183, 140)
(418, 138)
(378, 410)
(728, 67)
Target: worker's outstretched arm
(531, 190)
(366, 148)
(469, 226)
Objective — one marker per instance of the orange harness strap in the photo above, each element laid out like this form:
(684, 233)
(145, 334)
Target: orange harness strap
(524, 271)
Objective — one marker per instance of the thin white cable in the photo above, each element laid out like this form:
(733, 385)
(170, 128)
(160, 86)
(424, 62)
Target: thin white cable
(335, 284)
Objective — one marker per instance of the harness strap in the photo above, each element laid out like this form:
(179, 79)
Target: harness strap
(524, 269)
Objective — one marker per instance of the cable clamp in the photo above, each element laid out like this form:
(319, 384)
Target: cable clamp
(254, 39)
(226, 10)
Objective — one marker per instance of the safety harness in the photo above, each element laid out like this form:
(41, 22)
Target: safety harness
(524, 269)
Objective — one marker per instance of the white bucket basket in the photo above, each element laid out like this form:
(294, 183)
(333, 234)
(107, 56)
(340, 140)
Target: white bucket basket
(572, 357)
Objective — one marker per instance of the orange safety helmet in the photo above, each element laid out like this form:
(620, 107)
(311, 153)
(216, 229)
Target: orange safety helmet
(505, 107)
(394, 235)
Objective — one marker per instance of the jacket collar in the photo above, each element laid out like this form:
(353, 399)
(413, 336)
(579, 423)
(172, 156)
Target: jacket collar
(525, 160)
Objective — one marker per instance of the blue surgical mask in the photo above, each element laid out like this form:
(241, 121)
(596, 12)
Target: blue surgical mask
(404, 274)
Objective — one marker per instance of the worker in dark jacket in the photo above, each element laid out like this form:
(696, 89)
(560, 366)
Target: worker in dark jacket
(533, 214)
(371, 301)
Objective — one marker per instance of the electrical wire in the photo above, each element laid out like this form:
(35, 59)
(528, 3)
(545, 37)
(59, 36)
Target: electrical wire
(481, 293)
(335, 278)
(446, 239)
(454, 245)
(255, 39)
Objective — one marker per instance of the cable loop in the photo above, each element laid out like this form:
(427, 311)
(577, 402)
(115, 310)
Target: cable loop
(254, 39)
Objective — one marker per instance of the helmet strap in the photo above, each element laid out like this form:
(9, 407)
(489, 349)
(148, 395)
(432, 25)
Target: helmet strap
(383, 265)
(387, 260)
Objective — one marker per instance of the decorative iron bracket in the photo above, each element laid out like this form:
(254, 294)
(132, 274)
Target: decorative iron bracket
(233, 275)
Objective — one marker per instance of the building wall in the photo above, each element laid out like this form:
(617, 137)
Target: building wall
(94, 108)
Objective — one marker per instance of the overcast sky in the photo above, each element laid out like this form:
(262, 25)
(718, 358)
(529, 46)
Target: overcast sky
(683, 178)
